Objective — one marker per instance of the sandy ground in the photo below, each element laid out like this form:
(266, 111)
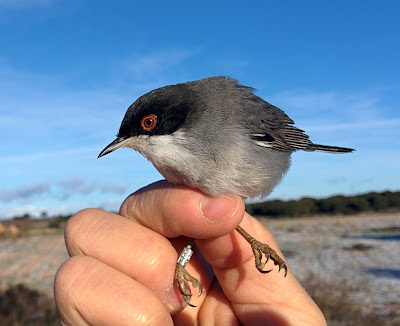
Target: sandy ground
(361, 254)
(32, 260)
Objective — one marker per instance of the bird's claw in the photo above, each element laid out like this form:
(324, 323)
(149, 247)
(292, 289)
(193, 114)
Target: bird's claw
(182, 279)
(258, 249)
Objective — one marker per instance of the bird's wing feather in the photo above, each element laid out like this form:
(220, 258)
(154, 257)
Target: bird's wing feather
(274, 129)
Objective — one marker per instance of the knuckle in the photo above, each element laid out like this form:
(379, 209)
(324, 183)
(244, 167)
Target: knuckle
(78, 227)
(79, 219)
(68, 281)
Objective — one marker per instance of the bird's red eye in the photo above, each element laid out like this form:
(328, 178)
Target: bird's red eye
(149, 122)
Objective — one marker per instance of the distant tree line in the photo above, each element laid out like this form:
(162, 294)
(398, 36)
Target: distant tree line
(370, 202)
(59, 221)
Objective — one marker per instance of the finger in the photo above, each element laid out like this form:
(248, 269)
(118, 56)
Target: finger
(88, 292)
(256, 297)
(217, 309)
(173, 210)
(130, 248)
(177, 210)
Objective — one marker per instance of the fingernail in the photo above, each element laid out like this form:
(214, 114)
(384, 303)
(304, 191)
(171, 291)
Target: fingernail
(215, 208)
(174, 300)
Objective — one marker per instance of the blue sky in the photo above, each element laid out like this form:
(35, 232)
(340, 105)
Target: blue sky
(69, 70)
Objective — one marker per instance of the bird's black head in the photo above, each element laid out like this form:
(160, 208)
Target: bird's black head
(165, 110)
(158, 112)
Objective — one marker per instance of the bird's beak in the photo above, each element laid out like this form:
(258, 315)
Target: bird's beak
(117, 143)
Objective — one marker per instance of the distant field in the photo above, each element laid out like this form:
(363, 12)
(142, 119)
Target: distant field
(347, 260)
(32, 260)
(355, 259)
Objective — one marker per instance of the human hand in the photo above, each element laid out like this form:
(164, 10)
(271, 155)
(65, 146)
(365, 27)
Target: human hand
(121, 270)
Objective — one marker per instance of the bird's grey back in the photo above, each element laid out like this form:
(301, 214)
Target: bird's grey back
(263, 121)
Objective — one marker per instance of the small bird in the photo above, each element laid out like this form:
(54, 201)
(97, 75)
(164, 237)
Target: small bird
(215, 135)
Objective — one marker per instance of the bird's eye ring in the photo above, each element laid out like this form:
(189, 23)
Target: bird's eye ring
(149, 122)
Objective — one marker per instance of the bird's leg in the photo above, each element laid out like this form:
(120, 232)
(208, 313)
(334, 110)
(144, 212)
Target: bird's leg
(259, 248)
(182, 277)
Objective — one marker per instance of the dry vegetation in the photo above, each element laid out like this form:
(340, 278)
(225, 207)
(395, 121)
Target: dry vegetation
(340, 245)
(21, 306)
(339, 308)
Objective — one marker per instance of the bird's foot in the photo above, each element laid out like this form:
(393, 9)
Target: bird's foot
(182, 279)
(259, 248)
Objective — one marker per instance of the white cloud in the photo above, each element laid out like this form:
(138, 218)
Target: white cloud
(35, 211)
(25, 192)
(78, 185)
(355, 114)
(59, 190)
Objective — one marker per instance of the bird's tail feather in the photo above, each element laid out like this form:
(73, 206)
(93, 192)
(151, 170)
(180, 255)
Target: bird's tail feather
(330, 149)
